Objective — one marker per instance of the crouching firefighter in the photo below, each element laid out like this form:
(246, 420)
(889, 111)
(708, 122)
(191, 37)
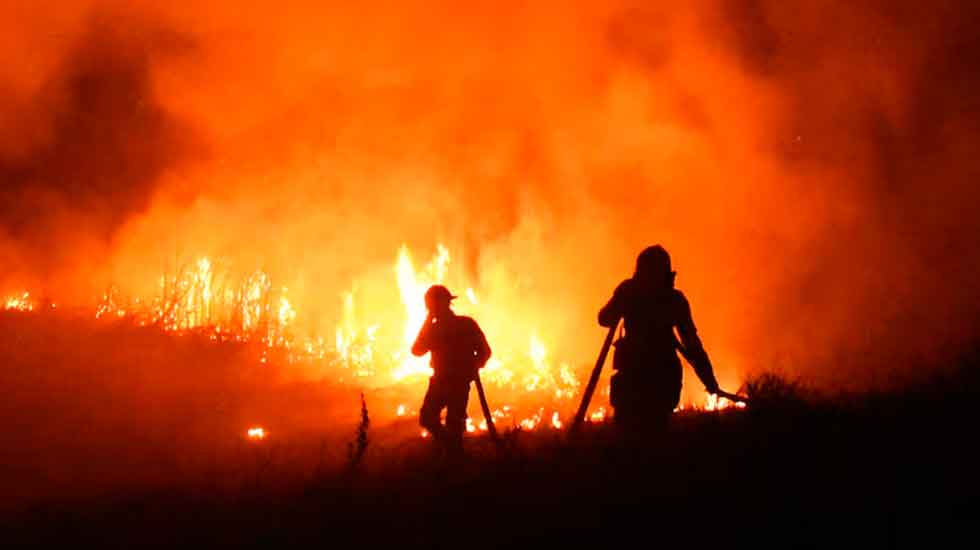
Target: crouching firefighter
(458, 349)
(646, 386)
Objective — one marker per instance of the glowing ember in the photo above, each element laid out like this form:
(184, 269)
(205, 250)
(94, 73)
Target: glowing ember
(401, 410)
(715, 403)
(532, 422)
(555, 421)
(256, 434)
(20, 302)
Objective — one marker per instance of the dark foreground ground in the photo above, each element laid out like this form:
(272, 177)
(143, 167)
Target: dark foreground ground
(795, 469)
(876, 471)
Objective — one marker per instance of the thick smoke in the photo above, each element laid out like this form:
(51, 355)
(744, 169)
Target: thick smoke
(809, 165)
(879, 113)
(92, 144)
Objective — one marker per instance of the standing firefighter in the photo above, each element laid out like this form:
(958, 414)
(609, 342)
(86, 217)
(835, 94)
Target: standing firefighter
(459, 349)
(646, 386)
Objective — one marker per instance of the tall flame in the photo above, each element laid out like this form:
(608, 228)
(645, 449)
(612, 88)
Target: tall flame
(412, 286)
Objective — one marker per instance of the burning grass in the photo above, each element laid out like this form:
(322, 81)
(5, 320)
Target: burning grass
(369, 347)
(255, 320)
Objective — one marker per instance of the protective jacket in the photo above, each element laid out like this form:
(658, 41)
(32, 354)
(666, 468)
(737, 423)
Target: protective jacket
(457, 344)
(648, 370)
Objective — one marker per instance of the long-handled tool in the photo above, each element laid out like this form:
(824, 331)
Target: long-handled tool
(720, 392)
(486, 410)
(594, 379)
(731, 396)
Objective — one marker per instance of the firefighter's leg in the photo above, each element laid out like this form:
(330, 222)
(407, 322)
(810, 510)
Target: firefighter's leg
(627, 399)
(667, 395)
(432, 406)
(456, 415)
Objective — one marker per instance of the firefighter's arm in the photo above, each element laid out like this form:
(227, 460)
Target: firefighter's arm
(694, 350)
(612, 312)
(422, 343)
(482, 352)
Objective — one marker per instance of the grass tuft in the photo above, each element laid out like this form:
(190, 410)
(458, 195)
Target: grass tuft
(357, 448)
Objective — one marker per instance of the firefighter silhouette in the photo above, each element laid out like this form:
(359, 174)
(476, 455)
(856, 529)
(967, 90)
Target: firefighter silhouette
(459, 348)
(646, 385)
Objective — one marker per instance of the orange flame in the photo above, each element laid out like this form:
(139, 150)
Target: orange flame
(20, 302)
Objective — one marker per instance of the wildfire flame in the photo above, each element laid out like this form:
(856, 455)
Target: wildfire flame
(369, 345)
(555, 421)
(412, 287)
(21, 302)
(715, 403)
